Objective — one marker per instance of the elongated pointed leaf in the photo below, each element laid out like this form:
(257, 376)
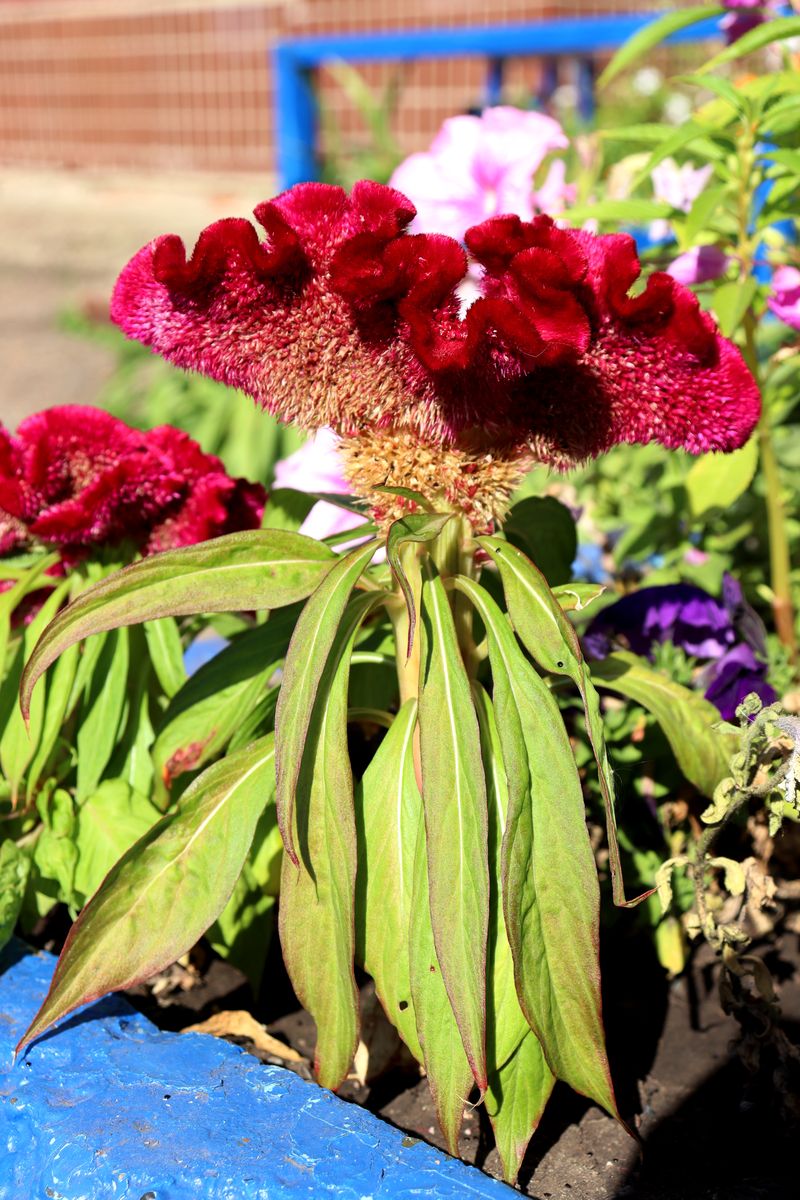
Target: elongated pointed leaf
(416, 527)
(18, 744)
(219, 697)
(550, 639)
(306, 660)
(520, 1081)
(166, 653)
(454, 797)
(166, 890)
(515, 1100)
(773, 30)
(687, 718)
(388, 816)
(653, 34)
(259, 569)
(551, 895)
(450, 1077)
(317, 907)
(102, 711)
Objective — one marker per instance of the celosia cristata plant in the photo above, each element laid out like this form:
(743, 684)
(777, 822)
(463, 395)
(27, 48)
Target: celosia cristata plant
(458, 868)
(81, 494)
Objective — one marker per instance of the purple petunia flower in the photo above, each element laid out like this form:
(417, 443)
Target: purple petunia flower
(727, 633)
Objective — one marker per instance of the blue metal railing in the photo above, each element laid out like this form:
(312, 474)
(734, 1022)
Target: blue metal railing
(295, 61)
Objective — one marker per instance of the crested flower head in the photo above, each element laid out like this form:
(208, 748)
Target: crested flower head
(77, 478)
(480, 167)
(341, 318)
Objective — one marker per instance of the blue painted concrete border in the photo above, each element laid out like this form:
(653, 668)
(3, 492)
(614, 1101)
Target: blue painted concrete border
(108, 1106)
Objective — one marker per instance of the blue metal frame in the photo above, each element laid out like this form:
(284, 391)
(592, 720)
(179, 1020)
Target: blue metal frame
(581, 37)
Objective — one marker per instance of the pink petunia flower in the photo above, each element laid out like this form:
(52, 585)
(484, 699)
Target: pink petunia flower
(77, 478)
(479, 167)
(785, 298)
(699, 265)
(342, 319)
(317, 467)
(678, 186)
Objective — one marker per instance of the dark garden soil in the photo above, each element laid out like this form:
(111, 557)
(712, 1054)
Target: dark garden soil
(709, 1130)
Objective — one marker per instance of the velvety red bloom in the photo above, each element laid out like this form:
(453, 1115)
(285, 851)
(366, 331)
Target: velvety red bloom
(341, 318)
(78, 478)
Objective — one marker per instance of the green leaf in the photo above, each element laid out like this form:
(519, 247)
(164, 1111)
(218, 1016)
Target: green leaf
(544, 529)
(317, 908)
(287, 509)
(106, 826)
(515, 1100)
(552, 642)
(219, 697)
(241, 933)
(57, 695)
(306, 660)
(702, 211)
(407, 494)
(101, 712)
(166, 653)
(415, 528)
(715, 481)
(687, 718)
(632, 211)
(644, 40)
(388, 816)
(18, 739)
(520, 1081)
(259, 569)
(454, 798)
(15, 866)
(686, 134)
(777, 29)
(55, 854)
(551, 895)
(165, 892)
(450, 1077)
(731, 301)
(575, 597)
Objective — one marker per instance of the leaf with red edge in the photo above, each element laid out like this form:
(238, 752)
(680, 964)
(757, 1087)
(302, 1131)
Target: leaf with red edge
(303, 670)
(259, 569)
(552, 642)
(168, 888)
(413, 528)
(317, 899)
(454, 797)
(551, 895)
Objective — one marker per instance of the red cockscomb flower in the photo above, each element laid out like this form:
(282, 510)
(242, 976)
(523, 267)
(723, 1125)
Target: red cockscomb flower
(340, 318)
(77, 478)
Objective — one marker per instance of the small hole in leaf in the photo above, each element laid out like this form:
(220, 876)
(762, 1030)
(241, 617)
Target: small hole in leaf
(403, 1005)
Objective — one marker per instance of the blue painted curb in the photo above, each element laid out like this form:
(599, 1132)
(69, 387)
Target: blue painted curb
(108, 1106)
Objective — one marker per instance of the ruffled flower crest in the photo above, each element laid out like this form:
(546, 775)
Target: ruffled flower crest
(79, 479)
(342, 318)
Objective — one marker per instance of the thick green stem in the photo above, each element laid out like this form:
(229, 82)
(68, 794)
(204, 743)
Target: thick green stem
(779, 558)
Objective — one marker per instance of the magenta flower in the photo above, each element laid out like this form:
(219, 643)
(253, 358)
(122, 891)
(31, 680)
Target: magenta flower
(678, 186)
(479, 167)
(77, 478)
(785, 298)
(699, 265)
(744, 15)
(342, 319)
(317, 467)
